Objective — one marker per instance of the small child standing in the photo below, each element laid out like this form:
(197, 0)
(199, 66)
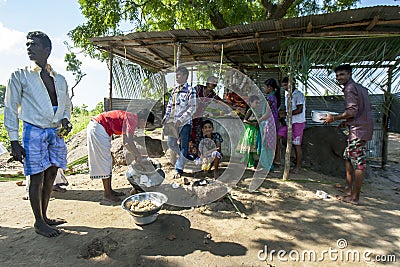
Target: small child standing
(248, 143)
(210, 148)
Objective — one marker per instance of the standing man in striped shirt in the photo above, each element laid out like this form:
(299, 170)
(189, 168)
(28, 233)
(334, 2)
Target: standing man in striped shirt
(38, 96)
(179, 112)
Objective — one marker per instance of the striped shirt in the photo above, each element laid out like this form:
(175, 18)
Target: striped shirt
(182, 104)
(27, 99)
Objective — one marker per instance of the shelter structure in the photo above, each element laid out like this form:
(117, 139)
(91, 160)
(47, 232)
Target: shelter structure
(368, 38)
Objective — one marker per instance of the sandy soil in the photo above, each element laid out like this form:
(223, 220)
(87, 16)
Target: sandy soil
(279, 216)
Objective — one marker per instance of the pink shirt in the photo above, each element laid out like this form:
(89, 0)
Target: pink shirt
(358, 105)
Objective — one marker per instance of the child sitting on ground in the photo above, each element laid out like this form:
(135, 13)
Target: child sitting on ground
(193, 153)
(210, 148)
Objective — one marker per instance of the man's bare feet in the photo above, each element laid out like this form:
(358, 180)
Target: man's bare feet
(295, 170)
(346, 190)
(117, 194)
(43, 229)
(348, 199)
(112, 198)
(57, 221)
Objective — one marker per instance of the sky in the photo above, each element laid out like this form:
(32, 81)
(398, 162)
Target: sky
(56, 19)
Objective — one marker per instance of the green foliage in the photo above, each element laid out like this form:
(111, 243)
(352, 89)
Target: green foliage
(4, 134)
(74, 65)
(81, 117)
(2, 92)
(80, 111)
(104, 17)
(79, 122)
(98, 109)
(302, 8)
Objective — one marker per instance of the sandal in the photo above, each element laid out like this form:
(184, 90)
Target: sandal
(177, 175)
(59, 189)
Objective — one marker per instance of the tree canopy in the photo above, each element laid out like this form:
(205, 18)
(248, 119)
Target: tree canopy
(106, 17)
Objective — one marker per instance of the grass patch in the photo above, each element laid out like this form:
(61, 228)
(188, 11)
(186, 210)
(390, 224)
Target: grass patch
(7, 177)
(78, 124)
(70, 166)
(79, 161)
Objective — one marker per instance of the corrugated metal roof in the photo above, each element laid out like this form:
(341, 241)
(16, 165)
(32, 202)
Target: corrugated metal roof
(249, 45)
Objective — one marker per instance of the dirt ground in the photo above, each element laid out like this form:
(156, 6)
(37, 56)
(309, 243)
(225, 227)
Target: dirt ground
(280, 215)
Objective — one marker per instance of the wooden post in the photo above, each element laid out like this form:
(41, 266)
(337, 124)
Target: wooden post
(386, 113)
(178, 55)
(173, 155)
(289, 132)
(111, 77)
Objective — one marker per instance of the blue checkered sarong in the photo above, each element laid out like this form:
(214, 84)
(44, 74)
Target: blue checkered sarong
(43, 148)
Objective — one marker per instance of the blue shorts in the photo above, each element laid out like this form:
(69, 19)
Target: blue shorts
(43, 148)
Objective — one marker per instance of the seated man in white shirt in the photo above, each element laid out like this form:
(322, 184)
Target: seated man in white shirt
(38, 96)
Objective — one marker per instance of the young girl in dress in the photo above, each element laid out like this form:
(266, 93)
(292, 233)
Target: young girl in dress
(248, 143)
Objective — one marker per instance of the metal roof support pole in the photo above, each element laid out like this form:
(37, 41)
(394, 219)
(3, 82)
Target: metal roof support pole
(386, 112)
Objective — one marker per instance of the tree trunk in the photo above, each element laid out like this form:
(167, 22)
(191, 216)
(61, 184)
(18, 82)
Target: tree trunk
(276, 11)
(218, 20)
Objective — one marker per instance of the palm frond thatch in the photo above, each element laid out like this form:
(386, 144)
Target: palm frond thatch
(371, 56)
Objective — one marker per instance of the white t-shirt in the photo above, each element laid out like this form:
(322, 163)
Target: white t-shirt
(297, 99)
